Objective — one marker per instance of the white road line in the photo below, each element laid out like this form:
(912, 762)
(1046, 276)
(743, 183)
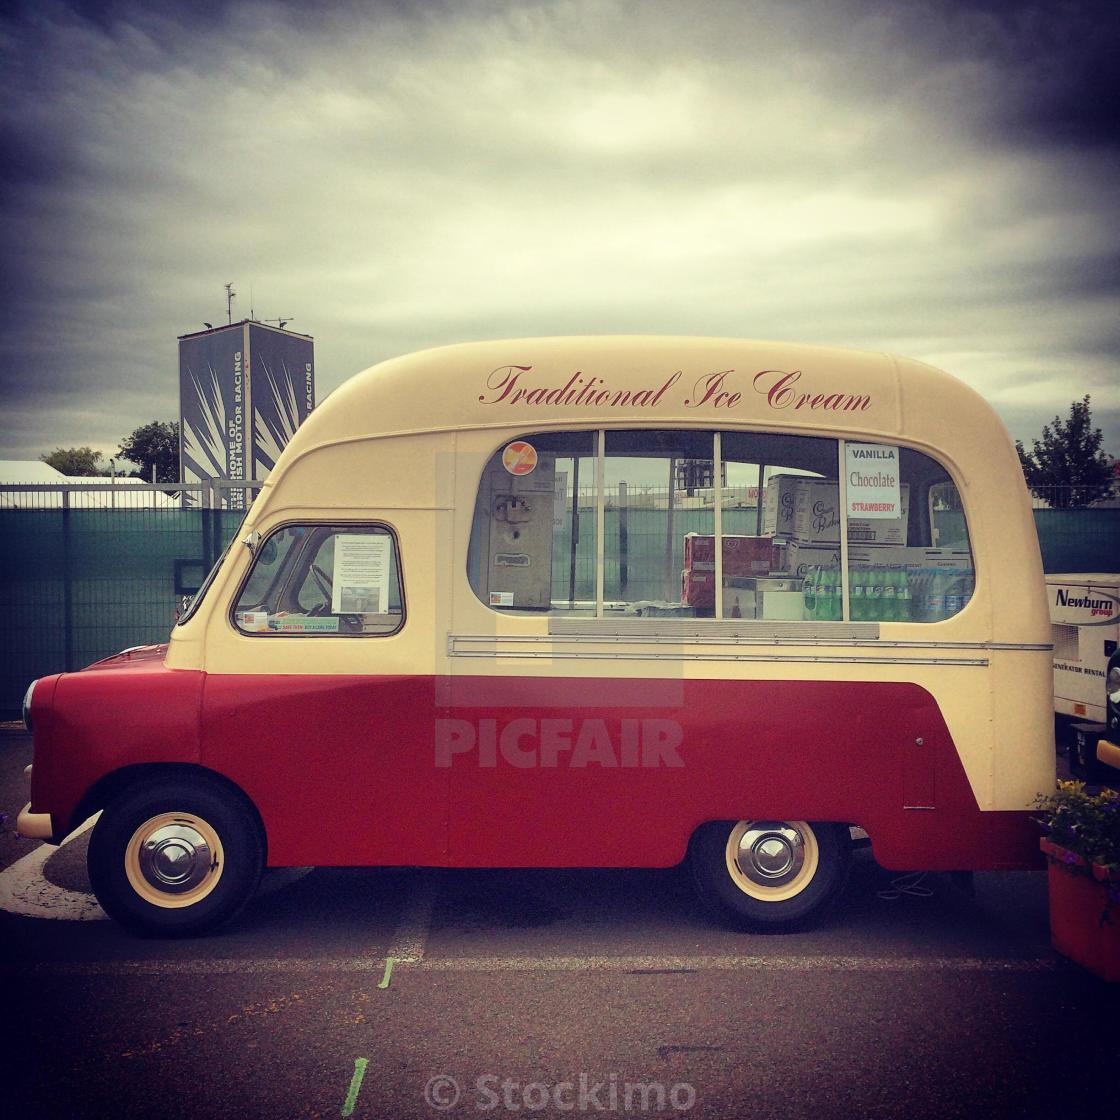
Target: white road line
(741, 964)
(410, 938)
(24, 890)
(637, 965)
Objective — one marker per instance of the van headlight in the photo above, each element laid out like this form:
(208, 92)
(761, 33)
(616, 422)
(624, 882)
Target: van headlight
(27, 704)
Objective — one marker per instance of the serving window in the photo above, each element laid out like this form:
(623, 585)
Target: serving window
(689, 523)
(312, 580)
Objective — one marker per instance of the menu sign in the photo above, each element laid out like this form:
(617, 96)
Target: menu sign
(871, 470)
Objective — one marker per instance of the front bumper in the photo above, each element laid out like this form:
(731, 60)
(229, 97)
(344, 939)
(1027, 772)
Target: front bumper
(34, 826)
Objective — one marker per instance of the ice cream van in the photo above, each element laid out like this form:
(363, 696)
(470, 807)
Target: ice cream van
(587, 602)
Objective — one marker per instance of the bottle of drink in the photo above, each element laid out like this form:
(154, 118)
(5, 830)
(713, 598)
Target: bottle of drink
(936, 603)
(954, 592)
(827, 599)
(873, 594)
(809, 589)
(857, 600)
(821, 608)
(927, 596)
(890, 595)
(904, 601)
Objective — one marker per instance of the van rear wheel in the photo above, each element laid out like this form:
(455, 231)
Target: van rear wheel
(770, 876)
(175, 857)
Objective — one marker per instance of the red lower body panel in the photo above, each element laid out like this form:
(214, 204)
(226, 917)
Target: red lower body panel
(484, 771)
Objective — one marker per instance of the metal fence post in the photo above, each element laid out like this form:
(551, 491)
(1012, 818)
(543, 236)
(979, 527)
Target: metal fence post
(67, 586)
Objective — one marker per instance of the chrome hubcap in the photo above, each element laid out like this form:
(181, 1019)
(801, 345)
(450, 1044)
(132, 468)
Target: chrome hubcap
(176, 858)
(770, 853)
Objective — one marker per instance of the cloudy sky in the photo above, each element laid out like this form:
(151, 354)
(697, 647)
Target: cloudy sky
(936, 179)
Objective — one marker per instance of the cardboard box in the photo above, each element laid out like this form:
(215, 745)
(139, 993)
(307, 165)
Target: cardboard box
(742, 555)
(816, 517)
(911, 559)
(778, 507)
(927, 558)
(878, 556)
(800, 557)
(816, 512)
(698, 588)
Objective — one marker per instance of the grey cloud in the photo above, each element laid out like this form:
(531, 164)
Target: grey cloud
(923, 177)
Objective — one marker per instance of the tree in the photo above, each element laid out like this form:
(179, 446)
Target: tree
(75, 461)
(154, 445)
(1067, 467)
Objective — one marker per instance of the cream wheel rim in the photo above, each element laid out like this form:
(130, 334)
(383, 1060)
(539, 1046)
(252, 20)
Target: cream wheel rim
(174, 860)
(772, 860)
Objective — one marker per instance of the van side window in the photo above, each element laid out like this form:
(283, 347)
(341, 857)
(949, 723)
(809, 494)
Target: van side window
(314, 580)
(661, 500)
(533, 537)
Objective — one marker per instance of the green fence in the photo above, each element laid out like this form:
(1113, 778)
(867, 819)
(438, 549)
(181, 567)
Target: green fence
(77, 585)
(1079, 540)
(642, 558)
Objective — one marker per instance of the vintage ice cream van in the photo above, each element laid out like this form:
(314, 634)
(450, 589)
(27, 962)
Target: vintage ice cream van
(587, 602)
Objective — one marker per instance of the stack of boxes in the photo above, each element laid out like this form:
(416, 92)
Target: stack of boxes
(801, 531)
(743, 558)
(806, 513)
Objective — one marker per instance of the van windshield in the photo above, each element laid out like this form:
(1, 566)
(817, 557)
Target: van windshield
(191, 602)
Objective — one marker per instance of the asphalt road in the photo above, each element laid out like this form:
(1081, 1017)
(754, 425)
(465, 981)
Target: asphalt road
(408, 993)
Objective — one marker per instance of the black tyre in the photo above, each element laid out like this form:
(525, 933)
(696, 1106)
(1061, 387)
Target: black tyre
(175, 857)
(770, 876)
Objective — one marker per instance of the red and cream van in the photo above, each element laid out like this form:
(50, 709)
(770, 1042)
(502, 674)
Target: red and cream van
(587, 602)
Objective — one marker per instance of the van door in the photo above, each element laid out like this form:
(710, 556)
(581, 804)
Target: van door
(335, 750)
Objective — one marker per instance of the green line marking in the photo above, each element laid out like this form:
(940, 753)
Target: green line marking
(388, 972)
(355, 1084)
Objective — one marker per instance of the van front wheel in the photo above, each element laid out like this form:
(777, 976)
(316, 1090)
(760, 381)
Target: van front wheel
(175, 858)
(770, 876)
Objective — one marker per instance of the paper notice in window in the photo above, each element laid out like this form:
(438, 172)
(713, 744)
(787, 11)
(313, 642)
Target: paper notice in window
(873, 480)
(361, 574)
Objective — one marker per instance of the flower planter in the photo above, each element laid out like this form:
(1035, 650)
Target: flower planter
(1084, 911)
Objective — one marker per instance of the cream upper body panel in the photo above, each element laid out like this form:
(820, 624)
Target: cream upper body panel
(413, 433)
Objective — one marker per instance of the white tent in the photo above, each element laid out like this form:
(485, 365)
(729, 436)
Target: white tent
(18, 474)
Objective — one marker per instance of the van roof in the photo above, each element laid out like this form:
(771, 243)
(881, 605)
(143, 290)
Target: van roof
(616, 380)
(528, 385)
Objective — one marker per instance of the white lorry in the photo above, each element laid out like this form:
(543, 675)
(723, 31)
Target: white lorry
(1085, 622)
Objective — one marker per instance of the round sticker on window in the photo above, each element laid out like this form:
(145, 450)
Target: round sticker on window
(520, 457)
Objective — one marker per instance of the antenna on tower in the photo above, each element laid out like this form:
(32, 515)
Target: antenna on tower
(231, 295)
(281, 323)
